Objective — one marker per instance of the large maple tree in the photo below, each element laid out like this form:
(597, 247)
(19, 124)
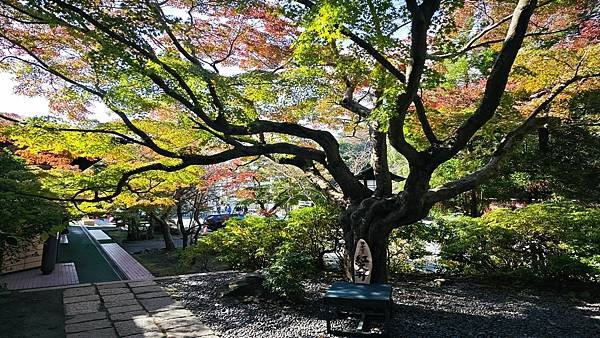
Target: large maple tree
(288, 79)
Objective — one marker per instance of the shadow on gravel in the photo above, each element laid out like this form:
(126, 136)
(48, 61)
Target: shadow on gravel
(420, 310)
(472, 310)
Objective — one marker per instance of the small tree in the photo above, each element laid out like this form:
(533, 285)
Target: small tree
(23, 216)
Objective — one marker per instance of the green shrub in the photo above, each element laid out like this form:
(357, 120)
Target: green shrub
(549, 240)
(287, 271)
(288, 251)
(313, 231)
(406, 245)
(246, 244)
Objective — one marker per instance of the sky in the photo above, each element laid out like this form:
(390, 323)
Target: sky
(26, 106)
(19, 104)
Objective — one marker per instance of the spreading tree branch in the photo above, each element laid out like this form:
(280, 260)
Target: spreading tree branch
(496, 83)
(422, 116)
(474, 179)
(421, 16)
(366, 46)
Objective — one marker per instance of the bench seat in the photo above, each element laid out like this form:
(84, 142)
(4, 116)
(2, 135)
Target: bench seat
(344, 298)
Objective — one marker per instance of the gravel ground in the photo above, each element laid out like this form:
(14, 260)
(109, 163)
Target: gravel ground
(421, 309)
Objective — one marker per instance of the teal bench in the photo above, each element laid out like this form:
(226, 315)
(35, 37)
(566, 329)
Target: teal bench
(365, 300)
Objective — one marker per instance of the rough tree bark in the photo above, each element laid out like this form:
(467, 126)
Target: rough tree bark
(184, 232)
(150, 229)
(165, 229)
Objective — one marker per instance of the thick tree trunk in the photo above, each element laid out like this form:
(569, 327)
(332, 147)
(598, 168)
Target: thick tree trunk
(543, 139)
(182, 230)
(150, 230)
(169, 244)
(166, 232)
(373, 220)
(133, 230)
(473, 203)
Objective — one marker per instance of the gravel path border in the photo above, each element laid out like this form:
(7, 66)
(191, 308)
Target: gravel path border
(460, 309)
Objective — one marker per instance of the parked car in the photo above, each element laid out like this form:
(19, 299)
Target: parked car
(217, 221)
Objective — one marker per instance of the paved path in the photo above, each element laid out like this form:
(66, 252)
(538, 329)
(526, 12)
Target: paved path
(126, 263)
(63, 274)
(132, 309)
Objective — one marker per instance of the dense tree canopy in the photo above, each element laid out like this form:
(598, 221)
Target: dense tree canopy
(288, 79)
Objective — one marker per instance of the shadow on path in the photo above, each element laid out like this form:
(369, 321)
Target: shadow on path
(32, 314)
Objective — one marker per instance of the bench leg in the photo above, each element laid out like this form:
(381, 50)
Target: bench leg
(386, 323)
(362, 325)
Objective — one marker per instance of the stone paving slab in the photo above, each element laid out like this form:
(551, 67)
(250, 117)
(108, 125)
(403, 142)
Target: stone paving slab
(76, 292)
(159, 304)
(197, 330)
(141, 283)
(113, 291)
(124, 302)
(78, 299)
(88, 326)
(86, 317)
(132, 310)
(148, 335)
(114, 298)
(101, 333)
(158, 294)
(189, 335)
(144, 289)
(127, 315)
(178, 313)
(136, 325)
(172, 323)
(111, 285)
(81, 308)
(126, 308)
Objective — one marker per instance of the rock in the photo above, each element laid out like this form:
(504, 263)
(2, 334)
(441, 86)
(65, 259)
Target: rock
(439, 282)
(249, 285)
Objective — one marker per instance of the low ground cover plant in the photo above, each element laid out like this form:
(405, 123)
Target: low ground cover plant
(547, 240)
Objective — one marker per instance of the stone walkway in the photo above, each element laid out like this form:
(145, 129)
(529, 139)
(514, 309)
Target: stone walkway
(132, 269)
(63, 274)
(128, 309)
(99, 235)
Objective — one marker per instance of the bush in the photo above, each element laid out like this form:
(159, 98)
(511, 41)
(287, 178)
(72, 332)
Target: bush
(406, 246)
(24, 218)
(312, 231)
(245, 244)
(548, 240)
(287, 271)
(289, 250)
